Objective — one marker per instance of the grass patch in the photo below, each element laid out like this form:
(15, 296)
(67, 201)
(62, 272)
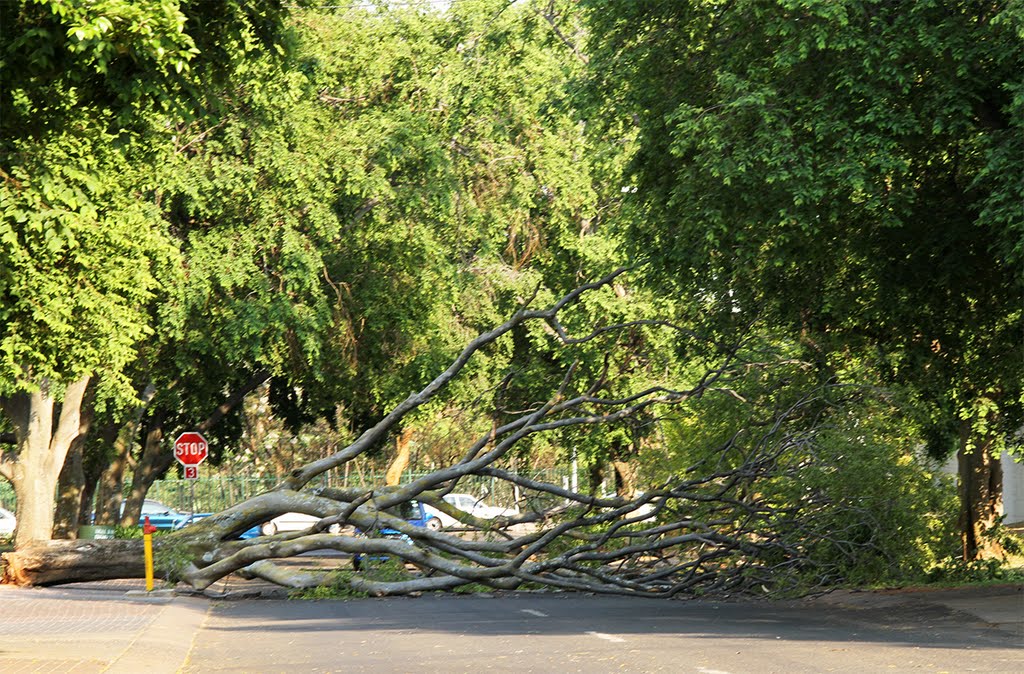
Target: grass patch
(337, 587)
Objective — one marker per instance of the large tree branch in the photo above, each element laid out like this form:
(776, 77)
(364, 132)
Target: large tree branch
(236, 397)
(69, 422)
(712, 526)
(373, 436)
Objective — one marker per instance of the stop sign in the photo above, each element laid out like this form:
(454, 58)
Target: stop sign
(190, 449)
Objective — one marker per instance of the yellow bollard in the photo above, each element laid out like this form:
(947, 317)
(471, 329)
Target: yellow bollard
(147, 540)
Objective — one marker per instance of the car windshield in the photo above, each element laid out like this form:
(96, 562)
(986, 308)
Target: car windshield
(409, 510)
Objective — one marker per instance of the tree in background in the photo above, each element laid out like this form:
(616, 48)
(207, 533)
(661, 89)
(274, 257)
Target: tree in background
(463, 182)
(91, 93)
(341, 212)
(339, 217)
(850, 172)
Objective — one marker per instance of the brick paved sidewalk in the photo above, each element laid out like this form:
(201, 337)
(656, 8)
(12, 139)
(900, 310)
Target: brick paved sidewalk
(109, 626)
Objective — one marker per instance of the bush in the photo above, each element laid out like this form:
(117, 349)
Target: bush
(955, 570)
(867, 508)
(850, 498)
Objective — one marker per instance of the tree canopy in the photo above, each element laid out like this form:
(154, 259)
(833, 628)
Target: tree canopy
(326, 204)
(850, 171)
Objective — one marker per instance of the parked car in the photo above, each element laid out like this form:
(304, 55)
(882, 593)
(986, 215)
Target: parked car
(416, 514)
(290, 521)
(469, 504)
(413, 512)
(161, 516)
(252, 532)
(294, 522)
(8, 522)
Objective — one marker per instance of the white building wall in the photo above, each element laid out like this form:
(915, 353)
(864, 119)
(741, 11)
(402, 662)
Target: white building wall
(1013, 490)
(1013, 487)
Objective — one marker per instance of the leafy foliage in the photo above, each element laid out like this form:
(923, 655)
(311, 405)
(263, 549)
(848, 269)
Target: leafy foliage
(832, 166)
(852, 491)
(842, 171)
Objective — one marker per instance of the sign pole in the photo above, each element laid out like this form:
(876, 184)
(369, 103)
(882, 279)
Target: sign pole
(191, 449)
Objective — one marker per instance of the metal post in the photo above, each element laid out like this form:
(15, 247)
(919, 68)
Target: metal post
(575, 471)
(147, 541)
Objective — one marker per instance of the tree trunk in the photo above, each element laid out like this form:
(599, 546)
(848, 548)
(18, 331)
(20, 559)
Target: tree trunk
(70, 486)
(71, 483)
(156, 458)
(625, 478)
(596, 474)
(109, 477)
(981, 496)
(42, 448)
(85, 504)
(623, 462)
(403, 445)
(49, 562)
(153, 463)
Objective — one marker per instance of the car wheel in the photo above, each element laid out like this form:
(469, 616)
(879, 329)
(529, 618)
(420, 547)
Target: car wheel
(334, 529)
(434, 524)
(268, 529)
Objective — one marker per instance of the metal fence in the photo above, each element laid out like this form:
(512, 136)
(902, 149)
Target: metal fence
(212, 494)
(6, 495)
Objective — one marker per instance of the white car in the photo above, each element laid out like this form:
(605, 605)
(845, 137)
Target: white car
(294, 522)
(472, 505)
(8, 523)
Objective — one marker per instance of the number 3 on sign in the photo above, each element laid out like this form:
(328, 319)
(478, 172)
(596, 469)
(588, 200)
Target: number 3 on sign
(191, 472)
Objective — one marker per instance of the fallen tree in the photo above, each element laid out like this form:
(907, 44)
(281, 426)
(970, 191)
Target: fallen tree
(707, 529)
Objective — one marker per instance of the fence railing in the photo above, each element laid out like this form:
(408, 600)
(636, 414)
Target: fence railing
(215, 493)
(212, 494)
(6, 495)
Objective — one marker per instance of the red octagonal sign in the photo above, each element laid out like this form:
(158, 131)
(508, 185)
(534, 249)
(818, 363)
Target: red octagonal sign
(190, 449)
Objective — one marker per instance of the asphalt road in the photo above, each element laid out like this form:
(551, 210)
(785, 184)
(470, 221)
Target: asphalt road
(100, 628)
(571, 633)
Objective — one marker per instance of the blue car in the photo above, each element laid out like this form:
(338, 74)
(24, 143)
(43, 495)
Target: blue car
(252, 532)
(413, 513)
(160, 515)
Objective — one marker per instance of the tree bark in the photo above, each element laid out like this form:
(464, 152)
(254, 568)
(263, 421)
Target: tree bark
(92, 477)
(71, 483)
(49, 562)
(596, 475)
(70, 486)
(981, 496)
(111, 481)
(42, 448)
(625, 478)
(403, 445)
(153, 463)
